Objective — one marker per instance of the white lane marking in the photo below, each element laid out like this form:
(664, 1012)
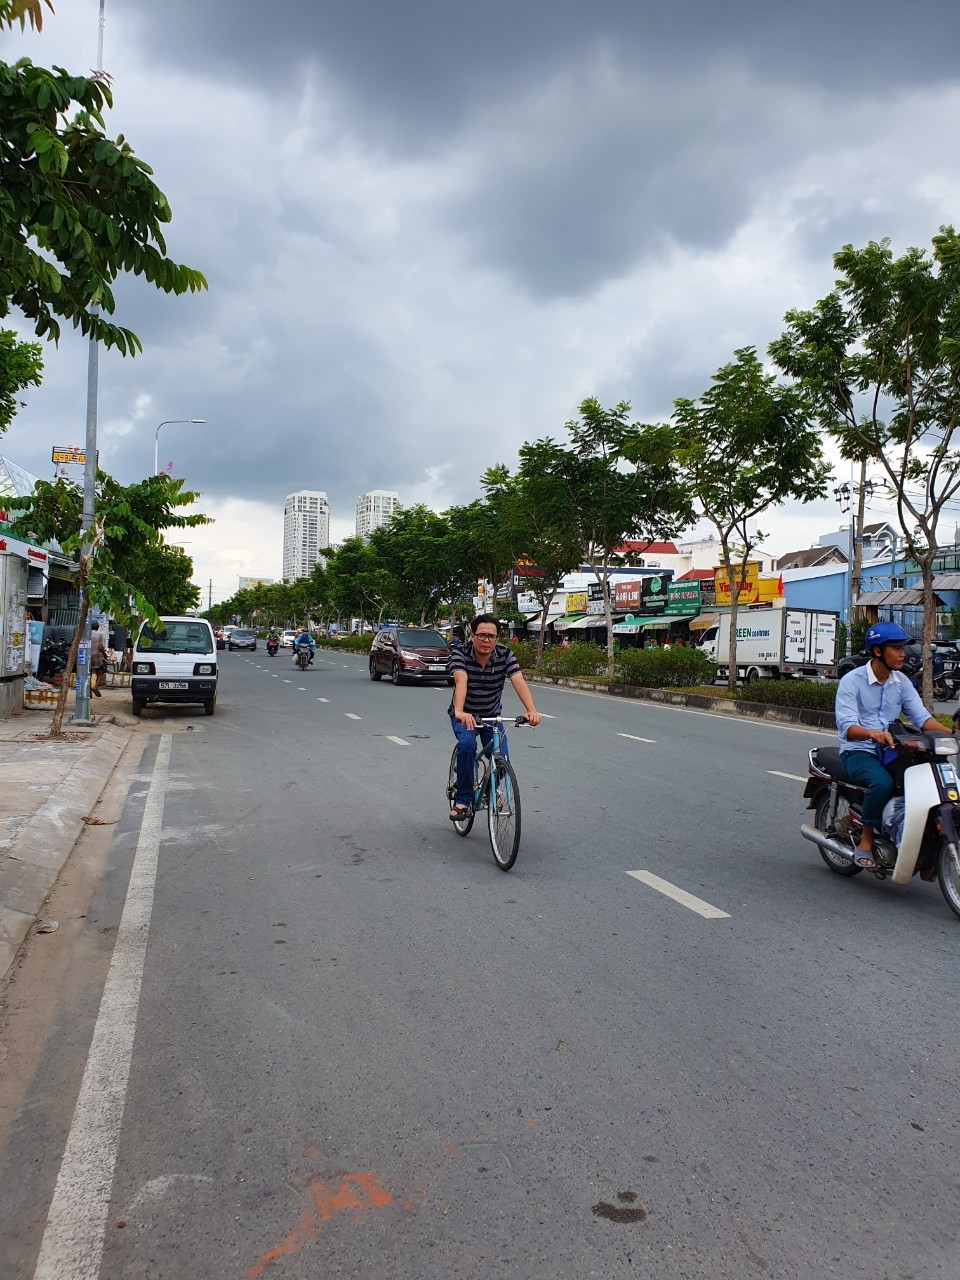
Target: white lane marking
(401, 742)
(794, 777)
(286, 681)
(301, 689)
(323, 699)
(351, 716)
(72, 1241)
(690, 711)
(680, 895)
(544, 716)
(275, 676)
(633, 737)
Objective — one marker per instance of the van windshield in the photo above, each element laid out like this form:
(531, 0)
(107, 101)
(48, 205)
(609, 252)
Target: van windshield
(176, 637)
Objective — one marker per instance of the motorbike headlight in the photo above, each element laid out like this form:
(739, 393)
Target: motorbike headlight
(943, 746)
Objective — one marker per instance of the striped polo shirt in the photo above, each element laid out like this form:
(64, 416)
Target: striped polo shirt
(484, 684)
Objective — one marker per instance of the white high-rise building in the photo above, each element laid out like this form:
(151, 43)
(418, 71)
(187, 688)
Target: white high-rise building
(306, 528)
(375, 508)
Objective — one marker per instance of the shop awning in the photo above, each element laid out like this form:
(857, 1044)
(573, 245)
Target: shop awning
(589, 620)
(908, 596)
(659, 623)
(564, 621)
(704, 620)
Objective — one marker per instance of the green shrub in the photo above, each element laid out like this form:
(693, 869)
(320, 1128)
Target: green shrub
(348, 644)
(665, 668)
(525, 652)
(813, 695)
(583, 660)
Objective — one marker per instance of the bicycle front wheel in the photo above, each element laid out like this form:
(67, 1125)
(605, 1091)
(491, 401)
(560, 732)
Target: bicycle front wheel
(462, 828)
(503, 814)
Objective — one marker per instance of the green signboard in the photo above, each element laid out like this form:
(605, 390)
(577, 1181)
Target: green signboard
(683, 599)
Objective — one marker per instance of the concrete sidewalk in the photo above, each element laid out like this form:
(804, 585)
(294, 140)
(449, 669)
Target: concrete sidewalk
(46, 790)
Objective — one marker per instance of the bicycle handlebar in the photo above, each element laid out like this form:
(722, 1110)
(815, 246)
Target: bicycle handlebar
(518, 723)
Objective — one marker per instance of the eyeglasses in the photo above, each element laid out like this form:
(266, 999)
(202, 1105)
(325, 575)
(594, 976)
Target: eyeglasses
(484, 635)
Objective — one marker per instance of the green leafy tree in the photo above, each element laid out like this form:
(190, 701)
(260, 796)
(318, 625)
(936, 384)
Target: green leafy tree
(880, 358)
(608, 502)
(483, 540)
(745, 446)
(533, 508)
(359, 585)
(425, 558)
(77, 208)
(129, 526)
(163, 575)
(21, 365)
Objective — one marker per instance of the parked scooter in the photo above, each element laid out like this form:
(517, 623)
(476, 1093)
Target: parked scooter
(52, 660)
(920, 823)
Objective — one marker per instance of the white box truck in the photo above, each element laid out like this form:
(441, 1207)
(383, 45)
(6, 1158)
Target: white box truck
(778, 643)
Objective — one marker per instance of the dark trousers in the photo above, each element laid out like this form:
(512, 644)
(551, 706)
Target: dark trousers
(865, 770)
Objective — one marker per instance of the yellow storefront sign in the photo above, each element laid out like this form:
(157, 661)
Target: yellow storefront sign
(752, 588)
(576, 602)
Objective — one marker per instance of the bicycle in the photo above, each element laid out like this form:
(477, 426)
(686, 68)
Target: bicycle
(494, 789)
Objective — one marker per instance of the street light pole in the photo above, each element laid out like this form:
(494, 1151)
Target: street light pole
(156, 438)
(81, 706)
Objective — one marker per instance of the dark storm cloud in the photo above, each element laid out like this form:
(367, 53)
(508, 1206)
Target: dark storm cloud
(419, 66)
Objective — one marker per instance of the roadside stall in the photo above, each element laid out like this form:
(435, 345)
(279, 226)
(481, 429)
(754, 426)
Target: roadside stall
(14, 568)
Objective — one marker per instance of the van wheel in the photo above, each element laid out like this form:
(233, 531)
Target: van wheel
(210, 706)
(752, 676)
(137, 706)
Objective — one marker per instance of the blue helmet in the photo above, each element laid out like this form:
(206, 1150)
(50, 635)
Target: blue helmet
(882, 633)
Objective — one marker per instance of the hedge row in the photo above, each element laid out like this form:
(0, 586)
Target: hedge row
(813, 696)
(348, 644)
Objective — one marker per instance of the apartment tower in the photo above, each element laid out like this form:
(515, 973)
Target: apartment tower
(375, 508)
(306, 528)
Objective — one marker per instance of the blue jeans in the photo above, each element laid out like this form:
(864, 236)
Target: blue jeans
(466, 750)
(865, 770)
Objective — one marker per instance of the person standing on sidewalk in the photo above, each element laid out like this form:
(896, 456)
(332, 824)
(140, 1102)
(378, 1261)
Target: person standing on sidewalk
(98, 656)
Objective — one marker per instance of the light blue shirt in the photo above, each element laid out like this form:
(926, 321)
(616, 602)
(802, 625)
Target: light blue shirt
(862, 699)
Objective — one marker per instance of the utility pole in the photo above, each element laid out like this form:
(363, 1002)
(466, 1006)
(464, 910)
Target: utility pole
(210, 596)
(844, 494)
(81, 707)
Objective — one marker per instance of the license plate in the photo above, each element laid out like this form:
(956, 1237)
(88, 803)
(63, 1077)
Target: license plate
(440, 667)
(174, 684)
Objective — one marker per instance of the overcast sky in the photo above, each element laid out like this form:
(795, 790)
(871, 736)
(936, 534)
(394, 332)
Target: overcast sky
(431, 228)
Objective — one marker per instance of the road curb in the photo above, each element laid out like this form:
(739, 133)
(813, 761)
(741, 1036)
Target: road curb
(700, 702)
(29, 868)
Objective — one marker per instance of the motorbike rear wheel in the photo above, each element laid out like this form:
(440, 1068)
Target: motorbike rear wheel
(821, 820)
(948, 873)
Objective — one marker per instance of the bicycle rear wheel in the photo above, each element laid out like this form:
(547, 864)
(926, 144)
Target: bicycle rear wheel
(462, 828)
(503, 814)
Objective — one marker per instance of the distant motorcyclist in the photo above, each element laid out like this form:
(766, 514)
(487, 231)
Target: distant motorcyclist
(273, 641)
(304, 640)
(868, 699)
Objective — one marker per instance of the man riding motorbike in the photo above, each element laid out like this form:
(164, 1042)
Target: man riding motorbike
(273, 642)
(302, 640)
(868, 699)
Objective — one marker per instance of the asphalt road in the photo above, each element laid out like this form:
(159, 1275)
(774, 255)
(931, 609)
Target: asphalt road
(363, 1051)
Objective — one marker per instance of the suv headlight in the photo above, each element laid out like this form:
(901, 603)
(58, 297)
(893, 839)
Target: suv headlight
(413, 657)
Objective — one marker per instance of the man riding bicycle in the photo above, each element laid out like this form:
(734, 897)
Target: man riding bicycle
(480, 667)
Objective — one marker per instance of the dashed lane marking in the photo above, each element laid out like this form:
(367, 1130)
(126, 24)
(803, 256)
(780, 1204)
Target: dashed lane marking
(351, 716)
(794, 777)
(301, 689)
(680, 895)
(286, 681)
(633, 738)
(401, 742)
(323, 699)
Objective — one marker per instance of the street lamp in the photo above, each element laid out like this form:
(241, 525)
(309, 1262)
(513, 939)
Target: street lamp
(156, 438)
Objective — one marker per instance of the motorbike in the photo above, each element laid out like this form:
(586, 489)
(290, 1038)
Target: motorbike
(303, 657)
(272, 647)
(921, 821)
(52, 660)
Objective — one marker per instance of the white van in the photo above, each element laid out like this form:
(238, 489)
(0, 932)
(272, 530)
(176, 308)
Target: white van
(175, 662)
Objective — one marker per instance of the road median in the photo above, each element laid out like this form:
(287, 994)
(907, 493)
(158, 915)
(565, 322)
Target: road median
(700, 702)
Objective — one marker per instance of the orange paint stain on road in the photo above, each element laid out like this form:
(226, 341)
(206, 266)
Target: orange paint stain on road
(530, 1124)
(357, 1193)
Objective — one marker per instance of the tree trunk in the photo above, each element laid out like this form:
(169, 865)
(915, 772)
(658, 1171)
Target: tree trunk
(56, 724)
(929, 628)
(608, 616)
(546, 603)
(734, 601)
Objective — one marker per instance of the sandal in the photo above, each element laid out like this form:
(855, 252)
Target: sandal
(865, 860)
(459, 813)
